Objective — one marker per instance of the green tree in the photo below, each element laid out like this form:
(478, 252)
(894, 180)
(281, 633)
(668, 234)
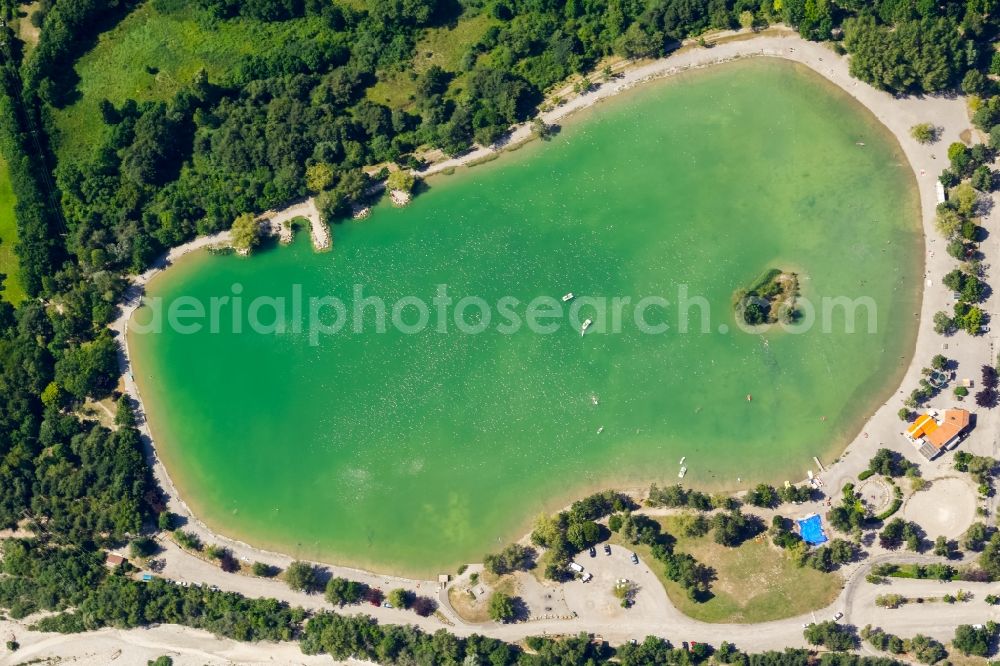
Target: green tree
(400, 598)
(965, 197)
(926, 650)
(948, 221)
(830, 635)
(943, 324)
(342, 592)
(303, 577)
(319, 177)
(501, 607)
(975, 641)
(165, 521)
(245, 232)
(401, 180)
(142, 547)
(263, 570)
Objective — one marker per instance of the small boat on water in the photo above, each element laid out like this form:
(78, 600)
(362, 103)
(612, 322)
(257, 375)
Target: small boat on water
(680, 474)
(593, 399)
(683, 458)
(600, 430)
(586, 325)
(749, 398)
(568, 297)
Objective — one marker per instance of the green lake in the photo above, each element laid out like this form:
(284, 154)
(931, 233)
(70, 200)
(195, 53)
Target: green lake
(415, 452)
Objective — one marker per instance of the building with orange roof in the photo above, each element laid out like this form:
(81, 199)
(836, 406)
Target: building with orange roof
(938, 430)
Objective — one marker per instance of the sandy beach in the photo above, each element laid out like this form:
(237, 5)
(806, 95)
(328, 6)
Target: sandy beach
(881, 429)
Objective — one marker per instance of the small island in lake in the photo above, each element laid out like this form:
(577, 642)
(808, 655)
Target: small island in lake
(769, 300)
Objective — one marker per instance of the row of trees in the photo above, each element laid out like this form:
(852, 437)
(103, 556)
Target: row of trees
(569, 532)
(967, 177)
(924, 649)
(681, 568)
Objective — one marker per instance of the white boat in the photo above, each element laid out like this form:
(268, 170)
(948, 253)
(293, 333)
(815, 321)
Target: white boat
(683, 458)
(586, 325)
(568, 297)
(680, 474)
(593, 399)
(600, 430)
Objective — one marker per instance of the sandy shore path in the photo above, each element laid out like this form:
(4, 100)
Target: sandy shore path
(882, 428)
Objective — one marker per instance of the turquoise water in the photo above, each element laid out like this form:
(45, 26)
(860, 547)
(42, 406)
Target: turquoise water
(416, 452)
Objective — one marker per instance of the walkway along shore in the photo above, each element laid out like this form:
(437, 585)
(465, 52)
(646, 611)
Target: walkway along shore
(881, 429)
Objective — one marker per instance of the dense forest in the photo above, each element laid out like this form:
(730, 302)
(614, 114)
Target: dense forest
(283, 123)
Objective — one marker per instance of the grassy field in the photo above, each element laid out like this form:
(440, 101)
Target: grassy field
(26, 32)
(150, 55)
(443, 47)
(8, 238)
(755, 582)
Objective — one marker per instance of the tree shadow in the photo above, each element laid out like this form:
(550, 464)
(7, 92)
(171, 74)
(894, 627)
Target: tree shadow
(521, 610)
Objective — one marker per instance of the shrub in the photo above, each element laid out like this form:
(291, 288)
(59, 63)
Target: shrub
(890, 600)
(924, 133)
(264, 570)
(763, 495)
(187, 540)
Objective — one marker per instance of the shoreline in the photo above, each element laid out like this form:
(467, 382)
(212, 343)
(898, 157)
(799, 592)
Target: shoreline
(794, 49)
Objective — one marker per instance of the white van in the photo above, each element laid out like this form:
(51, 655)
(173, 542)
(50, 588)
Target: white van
(575, 567)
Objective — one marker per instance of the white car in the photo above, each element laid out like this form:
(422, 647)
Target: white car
(837, 616)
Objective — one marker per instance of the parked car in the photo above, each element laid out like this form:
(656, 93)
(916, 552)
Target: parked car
(386, 604)
(635, 559)
(593, 552)
(837, 616)
(607, 549)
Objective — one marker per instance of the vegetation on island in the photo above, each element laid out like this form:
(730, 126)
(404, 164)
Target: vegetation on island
(769, 300)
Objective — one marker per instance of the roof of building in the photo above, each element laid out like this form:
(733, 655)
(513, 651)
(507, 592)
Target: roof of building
(927, 451)
(953, 423)
(922, 427)
(114, 559)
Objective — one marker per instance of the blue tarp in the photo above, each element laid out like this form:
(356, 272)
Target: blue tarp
(811, 529)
